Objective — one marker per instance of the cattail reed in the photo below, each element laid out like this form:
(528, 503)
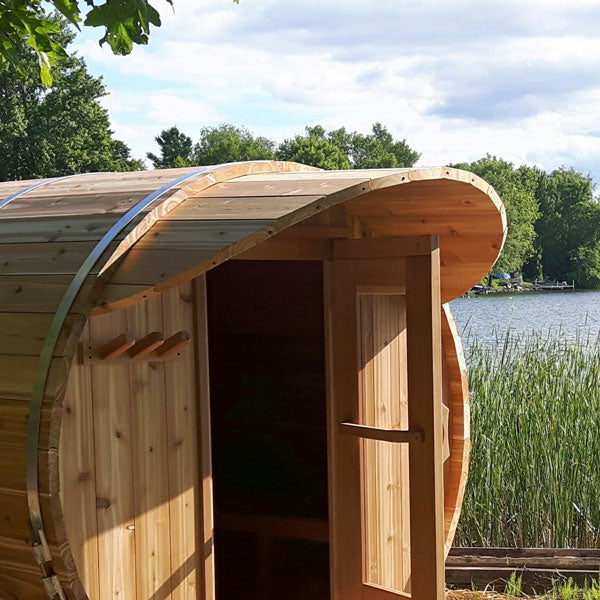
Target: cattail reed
(534, 478)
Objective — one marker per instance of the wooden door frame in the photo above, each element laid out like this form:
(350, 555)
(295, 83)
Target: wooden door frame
(420, 273)
(205, 502)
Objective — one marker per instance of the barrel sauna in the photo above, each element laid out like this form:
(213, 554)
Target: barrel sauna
(236, 381)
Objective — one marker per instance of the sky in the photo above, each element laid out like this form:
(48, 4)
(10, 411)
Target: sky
(518, 79)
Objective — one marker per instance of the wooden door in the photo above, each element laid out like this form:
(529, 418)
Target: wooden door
(382, 310)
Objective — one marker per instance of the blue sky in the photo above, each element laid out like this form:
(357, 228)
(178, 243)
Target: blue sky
(456, 79)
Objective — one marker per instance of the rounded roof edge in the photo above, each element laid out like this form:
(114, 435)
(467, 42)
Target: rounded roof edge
(307, 194)
(261, 199)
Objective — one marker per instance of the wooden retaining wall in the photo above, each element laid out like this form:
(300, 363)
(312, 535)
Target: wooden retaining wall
(481, 567)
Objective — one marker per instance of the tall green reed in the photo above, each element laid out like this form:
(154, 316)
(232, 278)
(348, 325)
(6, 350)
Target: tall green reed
(534, 478)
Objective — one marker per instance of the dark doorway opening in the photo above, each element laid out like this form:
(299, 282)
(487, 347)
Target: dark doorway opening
(268, 420)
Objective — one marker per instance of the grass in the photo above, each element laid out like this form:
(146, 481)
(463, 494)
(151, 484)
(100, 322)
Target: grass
(535, 468)
(561, 590)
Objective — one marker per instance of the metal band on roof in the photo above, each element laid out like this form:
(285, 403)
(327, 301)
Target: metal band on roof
(20, 193)
(41, 547)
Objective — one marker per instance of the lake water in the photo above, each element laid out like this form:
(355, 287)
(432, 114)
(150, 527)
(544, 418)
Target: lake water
(575, 313)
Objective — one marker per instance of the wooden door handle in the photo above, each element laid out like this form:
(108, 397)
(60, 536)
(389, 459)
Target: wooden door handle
(384, 435)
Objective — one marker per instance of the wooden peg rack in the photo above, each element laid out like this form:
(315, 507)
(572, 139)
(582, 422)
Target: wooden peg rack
(153, 347)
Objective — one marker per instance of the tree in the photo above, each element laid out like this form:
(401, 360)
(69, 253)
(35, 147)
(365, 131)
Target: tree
(23, 22)
(60, 130)
(517, 189)
(340, 149)
(227, 143)
(314, 149)
(569, 227)
(379, 150)
(175, 149)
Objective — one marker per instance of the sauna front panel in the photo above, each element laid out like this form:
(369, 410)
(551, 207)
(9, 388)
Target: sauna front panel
(129, 461)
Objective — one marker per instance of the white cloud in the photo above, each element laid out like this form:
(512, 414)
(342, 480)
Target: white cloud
(456, 79)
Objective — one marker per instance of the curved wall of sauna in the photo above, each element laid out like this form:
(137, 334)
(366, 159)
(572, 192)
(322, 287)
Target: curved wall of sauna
(46, 234)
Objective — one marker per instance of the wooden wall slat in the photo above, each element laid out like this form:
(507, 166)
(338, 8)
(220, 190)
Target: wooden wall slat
(151, 473)
(78, 481)
(206, 536)
(182, 439)
(383, 397)
(113, 450)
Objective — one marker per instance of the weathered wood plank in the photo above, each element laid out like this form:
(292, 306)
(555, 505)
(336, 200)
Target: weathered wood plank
(25, 333)
(253, 186)
(18, 555)
(532, 580)
(14, 516)
(14, 415)
(344, 174)
(53, 229)
(41, 293)
(13, 466)
(235, 208)
(150, 267)
(172, 234)
(58, 258)
(19, 372)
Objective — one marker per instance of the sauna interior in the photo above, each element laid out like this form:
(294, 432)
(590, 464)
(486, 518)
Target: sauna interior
(237, 381)
(269, 435)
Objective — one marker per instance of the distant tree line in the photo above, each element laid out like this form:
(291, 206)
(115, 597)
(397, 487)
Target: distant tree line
(553, 218)
(553, 221)
(336, 149)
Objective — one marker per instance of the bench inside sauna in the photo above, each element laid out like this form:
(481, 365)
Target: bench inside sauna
(261, 395)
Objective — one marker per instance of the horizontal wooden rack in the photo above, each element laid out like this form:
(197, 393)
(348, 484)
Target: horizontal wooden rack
(153, 347)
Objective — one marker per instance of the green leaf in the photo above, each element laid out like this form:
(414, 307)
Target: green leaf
(45, 74)
(69, 9)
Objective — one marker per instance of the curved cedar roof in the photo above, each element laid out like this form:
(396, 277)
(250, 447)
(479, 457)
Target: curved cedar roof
(227, 210)
(64, 248)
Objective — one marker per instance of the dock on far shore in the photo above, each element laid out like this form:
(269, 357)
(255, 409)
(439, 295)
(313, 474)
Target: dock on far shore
(516, 284)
